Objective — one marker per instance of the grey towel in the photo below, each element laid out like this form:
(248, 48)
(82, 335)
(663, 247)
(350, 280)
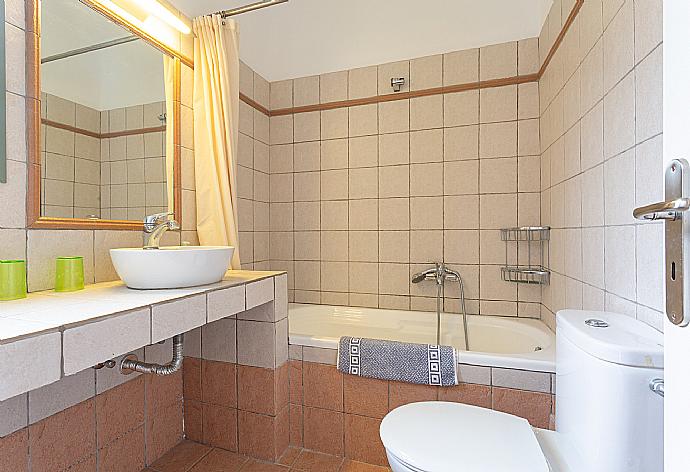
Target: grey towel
(424, 364)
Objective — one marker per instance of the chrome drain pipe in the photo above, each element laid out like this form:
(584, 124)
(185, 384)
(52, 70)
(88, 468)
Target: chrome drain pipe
(130, 363)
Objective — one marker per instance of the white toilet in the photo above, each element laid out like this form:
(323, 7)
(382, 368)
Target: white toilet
(608, 417)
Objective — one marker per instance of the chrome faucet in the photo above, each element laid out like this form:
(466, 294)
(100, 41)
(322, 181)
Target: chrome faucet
(154, 228)
(440, 273)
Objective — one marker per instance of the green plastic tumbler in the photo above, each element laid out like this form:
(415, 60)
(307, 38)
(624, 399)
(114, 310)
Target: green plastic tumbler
(69, 274)
(12, 280)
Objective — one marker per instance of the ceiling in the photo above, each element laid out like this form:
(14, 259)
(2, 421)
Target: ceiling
(119, 76)
(309, 37)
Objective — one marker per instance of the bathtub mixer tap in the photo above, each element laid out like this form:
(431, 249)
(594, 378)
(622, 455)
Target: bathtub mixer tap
(440, 273)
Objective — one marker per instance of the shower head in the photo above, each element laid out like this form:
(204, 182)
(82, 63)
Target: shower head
(420, 277)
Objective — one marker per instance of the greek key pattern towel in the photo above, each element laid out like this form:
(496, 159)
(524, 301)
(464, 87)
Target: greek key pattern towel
(424, 364)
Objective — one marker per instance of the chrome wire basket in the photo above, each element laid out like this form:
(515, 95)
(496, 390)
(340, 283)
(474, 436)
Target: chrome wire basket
(534, 240)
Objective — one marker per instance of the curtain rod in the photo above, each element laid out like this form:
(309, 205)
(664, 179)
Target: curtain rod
(93, 47)
(248, 8)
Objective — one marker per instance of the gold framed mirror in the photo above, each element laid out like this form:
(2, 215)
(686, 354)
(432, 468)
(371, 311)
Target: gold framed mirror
(104, 115)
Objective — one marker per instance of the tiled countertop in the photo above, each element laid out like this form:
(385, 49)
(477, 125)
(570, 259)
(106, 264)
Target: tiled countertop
(49, 335)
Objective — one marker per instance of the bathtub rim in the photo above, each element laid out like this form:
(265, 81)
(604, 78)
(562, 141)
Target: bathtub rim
(538, 361)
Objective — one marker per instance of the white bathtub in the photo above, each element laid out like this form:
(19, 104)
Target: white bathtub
(509, 342)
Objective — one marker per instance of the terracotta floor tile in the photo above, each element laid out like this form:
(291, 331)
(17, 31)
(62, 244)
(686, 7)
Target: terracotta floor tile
(402, 393)
(257, 435)
(257, 466)
(89, 464)
(14, 451)
(362, 440)
(366, 397)
(191, 375)
(162, 391)
(181, 457)
(533, 406)
(323, 386)
(163, 431)
(219, 460)
(256, 390)
(354, 466)
(120, 410)
(63, 439)
(193, 420)
(310, 461)
(323, 431)
(125, 454)
(296, 429)
(282, 431)
(470, 394)
(282, 386)
(220, 427)
(289, 456)
(295, 370)
(219, 383)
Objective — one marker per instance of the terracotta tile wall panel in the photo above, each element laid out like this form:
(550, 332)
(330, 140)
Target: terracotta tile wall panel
(533, 406)
(362, 440)
(323, 431)
(14, 450)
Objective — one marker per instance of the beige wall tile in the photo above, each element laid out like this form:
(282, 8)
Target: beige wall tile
(334, 215)
(307, 186)
(334, 184)
(363, 214)
(307, 246)
(43, 246)
(498, 61)
(528, 56)
(394, 181)
(461, 212)
(334, 123)
(394, 246)
(426, 179)
(394, 213)
(426, 72)
(394, 279)
(648, 26)
(461, 143)
(14, 244)
(394, 149)
(498, 140)
(426, 213)
(306, 216)
(307, 156)
(619, 46)
(307, 126)
(363, 183)
(334, 276)
(333, 87)
(461, 67)
(393, 70)
(394, 116)
(461, 177)
(497, 211)
(306, 91)
(362, 82)
(281, 129)
(498, 104)
(364, 246)
(363, 151)
(649, 96)
(426, 112)
(363, 120)
(498, 175)
(619, 117)
(426, 146)
(280, 94)
(334, 154)
(461, 108)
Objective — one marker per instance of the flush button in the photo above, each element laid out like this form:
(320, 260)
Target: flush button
(594, 323)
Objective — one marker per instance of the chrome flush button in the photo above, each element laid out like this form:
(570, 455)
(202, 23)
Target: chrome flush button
(595, 323)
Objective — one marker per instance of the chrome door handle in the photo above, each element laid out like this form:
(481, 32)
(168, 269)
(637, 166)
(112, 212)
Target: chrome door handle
(657, 386)
(677, 243)
(670, 210)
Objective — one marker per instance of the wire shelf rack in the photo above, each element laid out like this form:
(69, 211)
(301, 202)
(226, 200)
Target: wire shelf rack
(533, 239)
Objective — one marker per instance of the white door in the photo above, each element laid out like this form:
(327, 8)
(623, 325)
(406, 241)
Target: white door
(677, 145)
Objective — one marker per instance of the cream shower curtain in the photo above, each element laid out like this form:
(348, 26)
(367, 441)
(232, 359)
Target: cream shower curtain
(216, 116)
(169, 79)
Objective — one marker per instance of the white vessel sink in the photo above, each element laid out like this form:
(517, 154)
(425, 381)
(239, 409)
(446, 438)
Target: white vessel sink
(172, 266)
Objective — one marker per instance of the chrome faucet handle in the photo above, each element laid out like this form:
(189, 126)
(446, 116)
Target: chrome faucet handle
(151, 221)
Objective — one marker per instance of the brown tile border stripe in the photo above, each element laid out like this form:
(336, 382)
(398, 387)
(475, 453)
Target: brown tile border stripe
(520, 79)
(86, 132)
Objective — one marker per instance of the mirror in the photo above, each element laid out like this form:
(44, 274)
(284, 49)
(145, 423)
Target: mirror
(108, 102)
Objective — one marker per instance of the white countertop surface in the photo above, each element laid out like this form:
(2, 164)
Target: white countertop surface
(52, 311)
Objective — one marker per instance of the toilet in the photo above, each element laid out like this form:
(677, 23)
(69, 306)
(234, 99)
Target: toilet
(608, 416)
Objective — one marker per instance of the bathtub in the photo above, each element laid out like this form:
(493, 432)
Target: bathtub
(495, 341)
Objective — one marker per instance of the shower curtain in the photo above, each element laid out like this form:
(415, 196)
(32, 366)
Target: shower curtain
(169, 79)
(216, 115)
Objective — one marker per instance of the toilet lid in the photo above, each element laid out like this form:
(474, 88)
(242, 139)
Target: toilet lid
(442, 436)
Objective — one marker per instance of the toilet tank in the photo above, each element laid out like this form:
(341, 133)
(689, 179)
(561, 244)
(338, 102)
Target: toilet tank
(605, 408)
